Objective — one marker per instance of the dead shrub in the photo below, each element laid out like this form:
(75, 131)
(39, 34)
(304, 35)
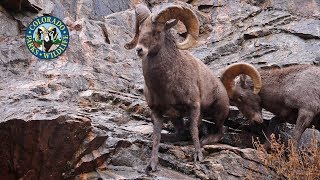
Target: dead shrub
(289, 162)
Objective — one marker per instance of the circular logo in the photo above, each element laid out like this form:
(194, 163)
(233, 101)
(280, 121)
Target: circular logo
(47, 37)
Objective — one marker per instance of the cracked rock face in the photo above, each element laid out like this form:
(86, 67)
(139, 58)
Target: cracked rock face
(40, 149)
(83, 115)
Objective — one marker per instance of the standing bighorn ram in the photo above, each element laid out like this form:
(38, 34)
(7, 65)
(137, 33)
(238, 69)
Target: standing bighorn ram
(175, 81)
(292, 94)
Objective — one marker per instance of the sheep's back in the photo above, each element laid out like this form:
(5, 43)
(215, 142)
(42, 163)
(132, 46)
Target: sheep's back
(297, 86)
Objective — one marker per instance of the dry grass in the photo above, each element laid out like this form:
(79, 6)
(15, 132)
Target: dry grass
(290, 163)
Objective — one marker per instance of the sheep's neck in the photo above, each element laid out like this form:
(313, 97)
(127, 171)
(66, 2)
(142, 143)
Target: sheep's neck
(166, 58)
(272, 84)
(163, 66)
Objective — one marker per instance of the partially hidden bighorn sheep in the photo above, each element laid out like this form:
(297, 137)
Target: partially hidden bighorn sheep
(292, 94)
(175, 81)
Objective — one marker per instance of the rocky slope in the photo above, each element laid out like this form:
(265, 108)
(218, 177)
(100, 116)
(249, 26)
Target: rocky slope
(83, 115)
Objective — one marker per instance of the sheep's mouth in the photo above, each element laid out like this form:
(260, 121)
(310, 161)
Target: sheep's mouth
(257, 118)
(140, 50)
(140, 54)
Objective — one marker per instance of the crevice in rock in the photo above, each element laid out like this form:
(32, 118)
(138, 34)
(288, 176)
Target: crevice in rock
(256, 34)
(301, 35)
(21, 5)
(105, 33)
(259, 52)
(41, 149)
(86, 167)
(278, 19)
(89, 145)
(190, 1)
(253, 14)
(205, 7)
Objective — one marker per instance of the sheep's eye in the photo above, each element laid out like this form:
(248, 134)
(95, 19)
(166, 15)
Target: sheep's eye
(240, 98)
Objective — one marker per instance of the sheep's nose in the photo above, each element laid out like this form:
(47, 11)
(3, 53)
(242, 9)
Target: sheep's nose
(257, 118)
(139, 50)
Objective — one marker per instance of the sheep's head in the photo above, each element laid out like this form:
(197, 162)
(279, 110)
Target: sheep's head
(44, 32)
(48, 34)
(151, 28)
(241, 94)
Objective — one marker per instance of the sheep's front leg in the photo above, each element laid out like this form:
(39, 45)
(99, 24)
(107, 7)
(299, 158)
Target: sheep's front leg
(274, 122)
(304, 120)
(157, 127)
(194, 129)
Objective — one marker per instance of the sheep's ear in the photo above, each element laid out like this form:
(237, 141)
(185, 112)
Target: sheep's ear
(171, 23)
(243, 81)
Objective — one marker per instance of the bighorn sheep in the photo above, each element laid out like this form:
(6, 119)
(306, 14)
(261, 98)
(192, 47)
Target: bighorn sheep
(175, 81)
(48, 38)
(291, 93)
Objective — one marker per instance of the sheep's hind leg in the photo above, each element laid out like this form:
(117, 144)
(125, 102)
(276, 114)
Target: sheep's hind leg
(194, 129)
(304, 120)
(180, 135)
(157, 127)
(213, 138)
(218, 129)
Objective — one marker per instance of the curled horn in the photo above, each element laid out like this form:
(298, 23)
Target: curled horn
(54, 31)
(172, 23)
(142, 13)
(38, 34)
(236, 69)
(185, 15)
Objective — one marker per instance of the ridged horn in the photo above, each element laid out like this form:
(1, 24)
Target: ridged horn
(235, 70)
(38, 35)
(142, 13)
(185, 15)
(170, 24)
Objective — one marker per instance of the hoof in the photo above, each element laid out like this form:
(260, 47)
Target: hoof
(151, 168)
(211, 139)
(148, 169)
(198, 157)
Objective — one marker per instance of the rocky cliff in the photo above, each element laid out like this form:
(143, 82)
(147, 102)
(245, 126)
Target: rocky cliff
(83, 115)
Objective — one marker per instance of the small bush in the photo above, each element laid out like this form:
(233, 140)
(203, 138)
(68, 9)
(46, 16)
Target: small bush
(289, 162)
